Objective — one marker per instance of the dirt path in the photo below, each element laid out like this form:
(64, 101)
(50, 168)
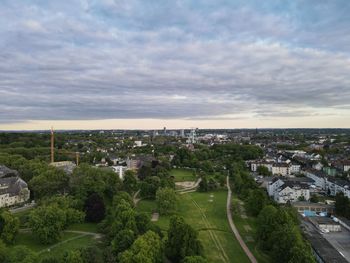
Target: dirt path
(190, 189)
(135, 199)
(233, 227)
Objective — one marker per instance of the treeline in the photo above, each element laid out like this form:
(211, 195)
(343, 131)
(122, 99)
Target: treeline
(219, 155)
(278, 232)
(342, 205)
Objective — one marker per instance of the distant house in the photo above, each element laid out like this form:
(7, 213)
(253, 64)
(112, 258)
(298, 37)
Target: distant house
(13, 190)
(136, 162)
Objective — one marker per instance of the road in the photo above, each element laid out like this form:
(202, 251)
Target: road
(232, 225)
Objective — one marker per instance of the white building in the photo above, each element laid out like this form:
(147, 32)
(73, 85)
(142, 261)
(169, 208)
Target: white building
(318, 176)
(294, 168)
(13, 190)
(281, 169)
(283, 191)
(335, 186)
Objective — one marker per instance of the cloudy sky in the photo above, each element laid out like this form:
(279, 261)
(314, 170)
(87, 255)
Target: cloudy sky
(148, 64)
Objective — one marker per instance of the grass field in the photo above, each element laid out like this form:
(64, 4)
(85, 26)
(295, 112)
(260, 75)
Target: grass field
(247, 229)
(206, 212)
(68, 241)
(182, 175)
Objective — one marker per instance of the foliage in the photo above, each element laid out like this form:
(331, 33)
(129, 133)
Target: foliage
(9, 226)
(94, 208)
(342, 205)
(194, 259)
(166, 200)
(182, 240)
(263, 170)
(86, 180)
(146, 249)
(256, 201)
(130, 182)
(50, 182)
(47, 223)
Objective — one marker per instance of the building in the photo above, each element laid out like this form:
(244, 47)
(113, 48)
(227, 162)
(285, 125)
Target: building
(319, 177)
(13, 190)
(280, 169)
(325, 224)
(335, 185)
(284, 190)
(313, 208)
(294, 168)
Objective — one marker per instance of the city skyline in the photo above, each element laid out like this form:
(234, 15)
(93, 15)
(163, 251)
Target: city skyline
(144, 65)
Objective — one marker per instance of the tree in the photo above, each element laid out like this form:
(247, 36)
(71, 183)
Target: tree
(52, 181)
(266, 224)
(194, 259)
(263, 170)
(149, 186)
(182, 240)
(143, 223)
(73, 256)
(9, 226)
(203, 185)
(166, 200)
(314, 199)
(130, 181)
(146, 249)
(22, 254)
(342, 205)
(92, 254)
(47, 223)
(94, 208)
(256, 201)
(123, 240)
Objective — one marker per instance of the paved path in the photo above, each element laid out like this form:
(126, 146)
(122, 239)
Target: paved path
(232, 225)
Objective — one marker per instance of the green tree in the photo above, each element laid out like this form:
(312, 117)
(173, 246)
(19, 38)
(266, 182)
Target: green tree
(266, 225)
(263, 170)
(182, 240)
(123, 240)
(73, 256)
(130, 181)
(146, 249)
(22, 254)
(314, 199)
(166, 200)
(256, 201)
(194, 259)
(9, 226)
(47, 223)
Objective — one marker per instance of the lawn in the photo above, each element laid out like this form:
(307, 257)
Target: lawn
(247, 229)
(206, 212)
(182, 175)
(68, 241)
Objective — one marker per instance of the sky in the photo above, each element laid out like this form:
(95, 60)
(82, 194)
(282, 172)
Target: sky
(127, 64)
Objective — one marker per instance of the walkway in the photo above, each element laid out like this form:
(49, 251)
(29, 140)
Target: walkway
(232, 225)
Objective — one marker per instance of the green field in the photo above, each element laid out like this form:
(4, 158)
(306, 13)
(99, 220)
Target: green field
(206, 212)
(247, 229)
(67, 242)
(182, 175)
